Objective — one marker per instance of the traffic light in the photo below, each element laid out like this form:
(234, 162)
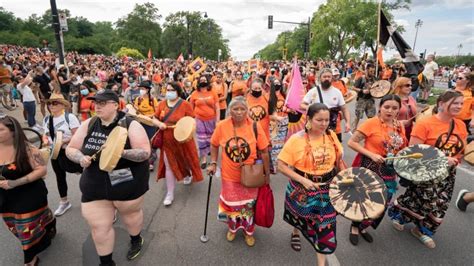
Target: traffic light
(422, 55)
(270, 22)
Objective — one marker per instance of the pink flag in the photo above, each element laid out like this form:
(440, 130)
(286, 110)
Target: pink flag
(296, 91)
(180, 58)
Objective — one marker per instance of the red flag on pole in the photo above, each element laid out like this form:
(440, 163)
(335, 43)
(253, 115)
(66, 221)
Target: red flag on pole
(149, 54)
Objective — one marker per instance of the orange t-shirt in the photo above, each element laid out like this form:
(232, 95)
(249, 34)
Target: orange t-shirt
(467, 106)
(323, 157)
(341, 86)
(258, 111)
(220, 89)
(382, 139)
(280, 104)
(156, 78)
(223, 137)
(204, 103)
(143, 106)
(431, 130)
(239, 87)
(5, 72)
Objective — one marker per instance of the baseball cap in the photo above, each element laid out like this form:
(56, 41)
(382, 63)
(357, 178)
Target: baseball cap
(105, 95)
(335, 72)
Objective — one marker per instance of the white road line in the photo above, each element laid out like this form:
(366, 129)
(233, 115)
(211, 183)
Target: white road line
(464, 169)
(332, 260)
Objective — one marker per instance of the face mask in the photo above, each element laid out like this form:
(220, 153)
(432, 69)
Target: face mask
(171, 95)
(84, 92)
(143, 92)
(326, 84)
(202, 84)
(256, 93)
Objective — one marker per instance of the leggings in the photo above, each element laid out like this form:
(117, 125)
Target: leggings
(60, 175)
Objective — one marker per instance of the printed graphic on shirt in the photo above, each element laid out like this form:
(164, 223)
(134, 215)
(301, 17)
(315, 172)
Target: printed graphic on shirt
(95, 141)
(451, 147)
(279, 106)
(257, 113)
(394, 144)
(233, 146)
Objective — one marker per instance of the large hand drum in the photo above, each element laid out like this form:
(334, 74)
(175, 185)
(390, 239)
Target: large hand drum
(351, 95)
(113, 150)
(380, 88)
(362, 199)
(432, 167)
(58, 142)
(184, 130)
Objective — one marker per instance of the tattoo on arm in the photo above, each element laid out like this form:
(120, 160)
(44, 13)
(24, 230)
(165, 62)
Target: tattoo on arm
(135, 155)
(358, 137)
(18, 182)
(74, 155)
(38, 159)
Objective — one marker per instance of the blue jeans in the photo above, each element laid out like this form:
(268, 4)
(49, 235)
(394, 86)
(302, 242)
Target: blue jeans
(30, 108)
(414, 94)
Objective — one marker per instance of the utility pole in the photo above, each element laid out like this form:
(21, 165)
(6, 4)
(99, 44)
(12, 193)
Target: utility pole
(57, 31)
(418, 25)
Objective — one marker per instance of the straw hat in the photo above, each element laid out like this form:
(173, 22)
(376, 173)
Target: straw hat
(59, 98)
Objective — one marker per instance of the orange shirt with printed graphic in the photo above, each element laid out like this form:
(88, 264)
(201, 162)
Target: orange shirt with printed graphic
(239, 87)
(224, 137)
(258, 111)
(378, 136)
(324, 152)
(204, 103)
(431, 130)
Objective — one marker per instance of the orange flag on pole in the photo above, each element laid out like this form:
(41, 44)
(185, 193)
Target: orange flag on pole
(380, 57)
(149, 54)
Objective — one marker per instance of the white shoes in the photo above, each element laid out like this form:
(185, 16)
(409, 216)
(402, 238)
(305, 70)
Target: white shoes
(63, 208)
(188, 180)
(168, 199)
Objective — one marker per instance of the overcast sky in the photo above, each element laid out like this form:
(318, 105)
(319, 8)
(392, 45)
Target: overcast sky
(446, 23)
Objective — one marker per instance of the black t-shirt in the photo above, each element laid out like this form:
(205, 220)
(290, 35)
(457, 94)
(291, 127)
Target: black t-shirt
(66, 87)
(43, 82)
(363, 83)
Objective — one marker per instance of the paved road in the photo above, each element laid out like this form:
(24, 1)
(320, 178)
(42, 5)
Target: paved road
(172, 234)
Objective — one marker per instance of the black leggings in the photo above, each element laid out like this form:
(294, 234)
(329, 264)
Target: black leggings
(60, 166)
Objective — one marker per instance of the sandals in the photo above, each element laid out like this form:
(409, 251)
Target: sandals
(295, 242)
(426, 240)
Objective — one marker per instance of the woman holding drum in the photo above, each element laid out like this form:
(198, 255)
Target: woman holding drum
(59, 127)
(311, 159)
(121, 186)
(240, 139)
(425, 204)
(24, 197)
(402, 88)
(178, 161)
(383, 136)
(205, 104)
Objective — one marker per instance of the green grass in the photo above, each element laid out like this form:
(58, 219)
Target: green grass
(436, 92)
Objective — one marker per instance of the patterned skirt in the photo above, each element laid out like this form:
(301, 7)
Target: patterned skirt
(311, 212)
(237, 207)
(34, 230)
(296, 123)
(204, 130)
(424, 205)
(389, 176)
(278, 140)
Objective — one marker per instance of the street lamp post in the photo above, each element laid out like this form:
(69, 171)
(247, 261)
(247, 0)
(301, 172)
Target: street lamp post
(418, 25)
(57, 31)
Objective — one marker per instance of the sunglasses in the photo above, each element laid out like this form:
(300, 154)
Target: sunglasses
(53, 103)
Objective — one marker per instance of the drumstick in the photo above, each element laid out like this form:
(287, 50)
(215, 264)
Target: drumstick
(93, 157)
(347, 181)
(411, 156)
(424, 109)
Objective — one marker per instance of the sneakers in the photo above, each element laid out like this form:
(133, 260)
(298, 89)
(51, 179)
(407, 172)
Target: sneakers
(151, 167)
(230, 236)
(168, 199)
(461, 204)
(63, 207)
(188, 180)
(249, 240)
(135, 248)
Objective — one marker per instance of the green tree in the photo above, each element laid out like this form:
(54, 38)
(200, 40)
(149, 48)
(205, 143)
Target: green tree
(141, 28)
(182, 29)
(8, 21)
(124, 51)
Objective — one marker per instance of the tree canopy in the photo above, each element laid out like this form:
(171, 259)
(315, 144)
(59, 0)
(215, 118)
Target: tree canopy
(140, 30)
(338, 28)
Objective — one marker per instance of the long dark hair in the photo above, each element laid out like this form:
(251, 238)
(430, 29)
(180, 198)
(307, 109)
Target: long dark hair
(20, 143)
(314, 109)
(208, 83)
(273, 99)
(391, 97)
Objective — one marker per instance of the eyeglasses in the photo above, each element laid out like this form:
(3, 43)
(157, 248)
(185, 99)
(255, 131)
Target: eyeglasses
(53, 103)
(103, 103)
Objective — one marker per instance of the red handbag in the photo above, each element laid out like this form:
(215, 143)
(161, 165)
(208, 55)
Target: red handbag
(264, 209)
